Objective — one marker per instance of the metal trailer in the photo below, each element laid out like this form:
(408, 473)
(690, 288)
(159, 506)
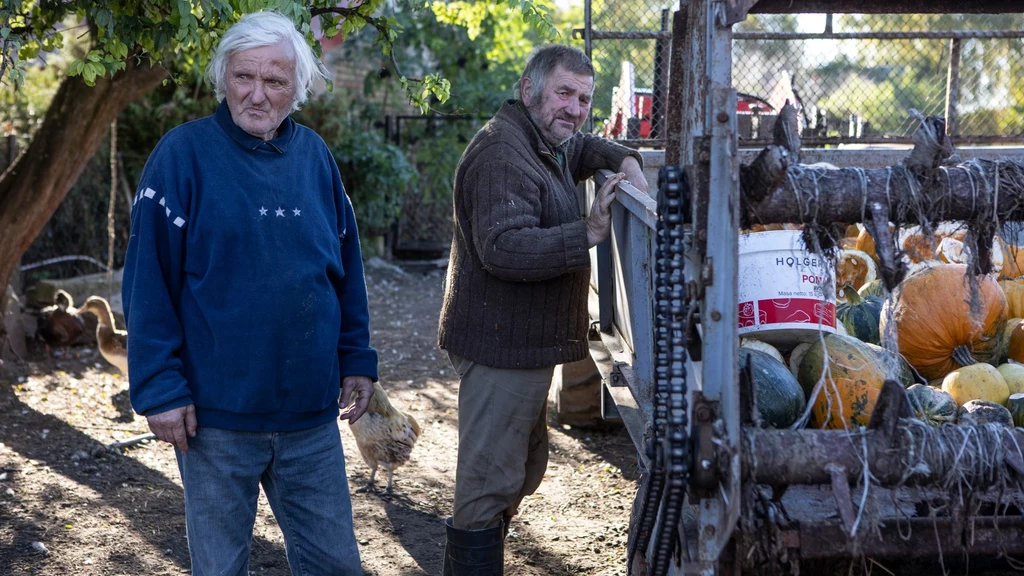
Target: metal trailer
(718, 483)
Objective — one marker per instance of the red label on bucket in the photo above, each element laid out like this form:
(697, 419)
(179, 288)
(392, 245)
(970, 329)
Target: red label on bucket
(787, 310)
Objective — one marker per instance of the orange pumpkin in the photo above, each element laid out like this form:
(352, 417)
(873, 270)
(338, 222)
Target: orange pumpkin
(937, 331)
(855, 268)
(845, 404)
(866, 243)
(1013, 261)
(1015, 343)
(1004, 349)
(853, 372)
(919, 247)
(952, 250)
(1014, 292)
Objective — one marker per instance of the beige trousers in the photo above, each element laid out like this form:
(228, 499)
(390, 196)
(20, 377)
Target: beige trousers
(503, 441)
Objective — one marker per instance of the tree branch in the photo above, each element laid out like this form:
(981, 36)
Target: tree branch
(377, 23)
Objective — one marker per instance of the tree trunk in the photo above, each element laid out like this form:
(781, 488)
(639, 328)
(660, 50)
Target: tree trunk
(962, 192)
(79, 116)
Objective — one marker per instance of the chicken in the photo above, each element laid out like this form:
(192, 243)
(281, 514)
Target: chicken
(385, 436)
(59, 324)
(113, 343)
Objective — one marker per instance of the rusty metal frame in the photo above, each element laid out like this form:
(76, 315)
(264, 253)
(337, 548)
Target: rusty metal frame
(709, 148)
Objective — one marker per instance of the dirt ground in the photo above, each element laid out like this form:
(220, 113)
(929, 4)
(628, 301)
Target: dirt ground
(67, 508)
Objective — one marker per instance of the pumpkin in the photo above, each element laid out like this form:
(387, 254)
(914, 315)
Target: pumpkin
(1013, 374)
(874, 288)
(1004, 348)
(918, 247)
(854, 380)
(1015, 343)
(953, 251)
(1016, 406)
(795, 356)
(932, 405)
(866, 242)
(754, 344)
(855, 268)
(860, 315)
(1014, 292)
(936, 330)
(893, 361)
(771, 227)
(844, 404)
(918, 267)
(977, 412)
(976, 382)
(780, 400)
(761, 228)
(1013, 261)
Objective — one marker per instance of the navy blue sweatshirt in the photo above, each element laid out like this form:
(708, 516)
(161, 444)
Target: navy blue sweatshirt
(243, 281)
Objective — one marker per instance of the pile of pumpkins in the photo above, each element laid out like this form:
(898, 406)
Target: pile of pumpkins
(961, 341)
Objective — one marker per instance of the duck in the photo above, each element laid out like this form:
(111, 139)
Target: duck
(113, 343)
(59, 324)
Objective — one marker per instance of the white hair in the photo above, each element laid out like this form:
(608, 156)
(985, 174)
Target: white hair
(260, 29)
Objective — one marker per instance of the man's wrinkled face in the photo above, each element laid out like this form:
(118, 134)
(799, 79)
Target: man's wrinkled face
(260, 85)
(562, 105)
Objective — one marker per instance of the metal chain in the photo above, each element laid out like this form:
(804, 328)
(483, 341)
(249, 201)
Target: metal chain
(653, 483)
(668, 446)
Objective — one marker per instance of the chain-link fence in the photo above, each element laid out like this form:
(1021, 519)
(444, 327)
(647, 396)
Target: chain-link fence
(629, 44)
(855, 76)
(433, 145)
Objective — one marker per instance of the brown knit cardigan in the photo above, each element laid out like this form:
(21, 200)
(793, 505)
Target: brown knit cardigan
(518, 278)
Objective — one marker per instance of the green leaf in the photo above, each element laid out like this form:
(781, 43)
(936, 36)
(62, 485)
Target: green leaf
(5, 32)
(29, 51)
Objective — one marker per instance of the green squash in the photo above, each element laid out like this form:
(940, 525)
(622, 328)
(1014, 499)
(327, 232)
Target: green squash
(978, 412)
(932, 405)
(860, 315)
(874, 288)
(1016, 406)
(907, 375)
(780, 401)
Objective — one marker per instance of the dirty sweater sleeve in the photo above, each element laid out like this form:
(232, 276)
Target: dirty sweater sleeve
(588, 153)
(153, 276)
(505, 206)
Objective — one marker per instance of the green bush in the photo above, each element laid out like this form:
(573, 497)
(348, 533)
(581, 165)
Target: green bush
(375, 172)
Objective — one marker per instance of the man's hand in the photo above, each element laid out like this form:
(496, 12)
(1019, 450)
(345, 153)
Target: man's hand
(363, 387)
(599, 222)
(634, 175)
(176, 426)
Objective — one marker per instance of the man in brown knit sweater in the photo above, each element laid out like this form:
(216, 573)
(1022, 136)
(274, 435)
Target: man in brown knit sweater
(515, 302)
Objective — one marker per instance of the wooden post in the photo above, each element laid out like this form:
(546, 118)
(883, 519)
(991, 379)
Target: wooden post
(110, 209)
(953, 87)
(662, 51)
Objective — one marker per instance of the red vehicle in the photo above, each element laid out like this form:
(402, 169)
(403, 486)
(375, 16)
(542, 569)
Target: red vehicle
(642, 103)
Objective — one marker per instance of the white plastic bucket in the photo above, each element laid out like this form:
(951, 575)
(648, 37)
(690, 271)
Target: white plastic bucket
(786, 294)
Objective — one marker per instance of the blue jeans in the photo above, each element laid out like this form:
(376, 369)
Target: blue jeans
(303, 475)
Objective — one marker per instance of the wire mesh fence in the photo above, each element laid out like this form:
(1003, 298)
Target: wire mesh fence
(854, 76)
(433, 145)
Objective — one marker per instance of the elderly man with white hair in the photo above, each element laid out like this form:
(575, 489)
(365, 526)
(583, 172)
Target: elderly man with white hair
(247, 312)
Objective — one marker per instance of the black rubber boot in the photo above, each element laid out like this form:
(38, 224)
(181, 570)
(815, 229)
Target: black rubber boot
(474, 552)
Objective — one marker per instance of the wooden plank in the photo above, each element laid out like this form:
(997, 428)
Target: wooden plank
(886, 7)
(929, 537)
